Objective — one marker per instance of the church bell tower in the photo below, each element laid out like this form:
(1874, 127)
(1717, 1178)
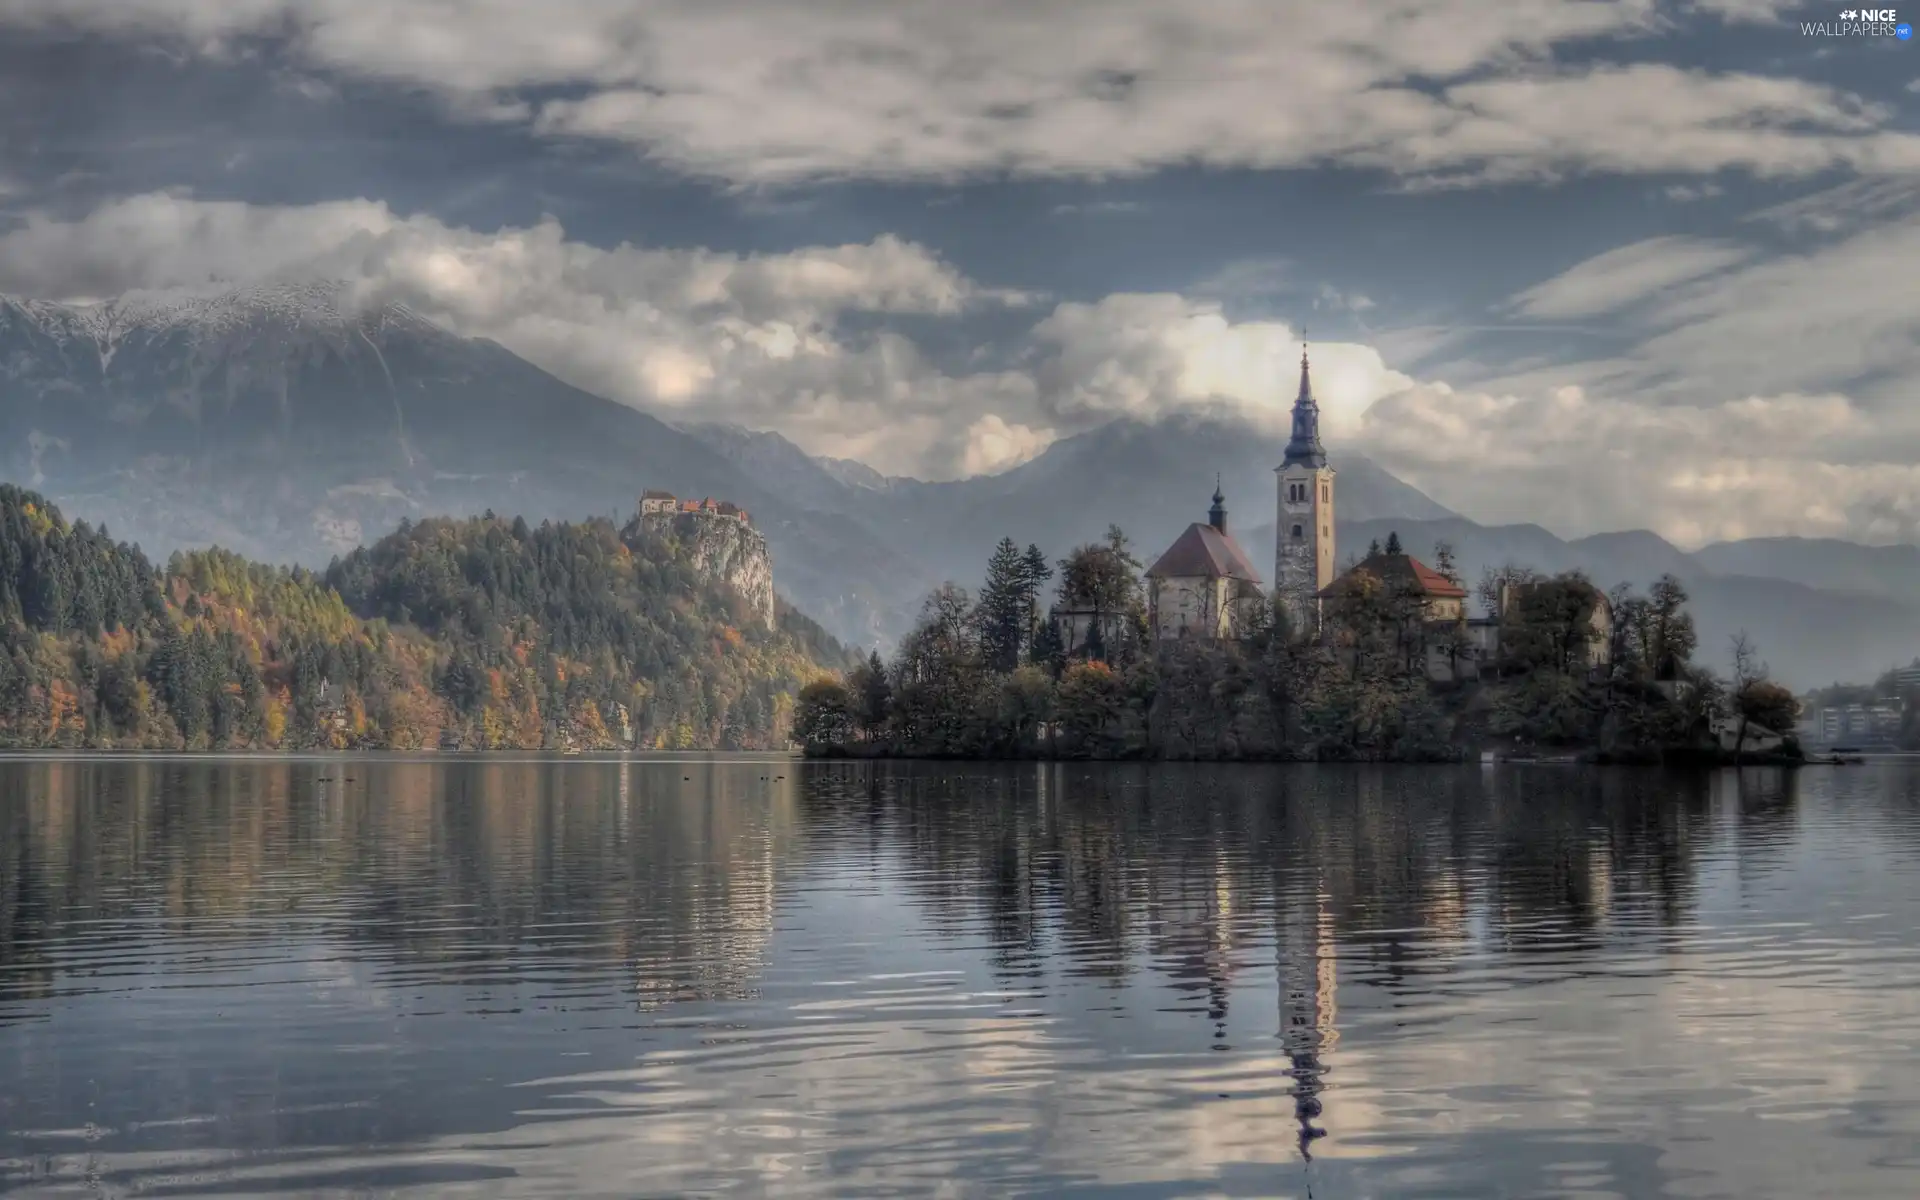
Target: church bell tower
(1303, 534)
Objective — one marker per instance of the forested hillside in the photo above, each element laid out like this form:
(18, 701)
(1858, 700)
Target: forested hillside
(477, 634)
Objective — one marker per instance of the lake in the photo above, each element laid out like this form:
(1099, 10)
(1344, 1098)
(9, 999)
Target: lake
(757, 976)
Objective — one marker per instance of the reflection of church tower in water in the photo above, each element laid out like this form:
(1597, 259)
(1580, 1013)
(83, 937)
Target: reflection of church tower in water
(1308, 984)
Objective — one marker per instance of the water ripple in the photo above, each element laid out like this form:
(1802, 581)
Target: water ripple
(605, 978)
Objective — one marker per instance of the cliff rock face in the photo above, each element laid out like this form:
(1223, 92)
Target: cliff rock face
(723, 550)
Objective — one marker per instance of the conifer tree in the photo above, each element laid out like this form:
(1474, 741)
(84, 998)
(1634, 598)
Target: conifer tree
(1048, 652)
(1003, 608)
(1096, 641)
(876, 694)
(1034, 574)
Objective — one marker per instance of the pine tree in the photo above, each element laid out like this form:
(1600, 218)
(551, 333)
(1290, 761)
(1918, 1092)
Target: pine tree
(875, 700)
(1373, 548)
(1393, 542)
(1096, 641)
(1003, 608)
(1034, 573)
(1047, 651)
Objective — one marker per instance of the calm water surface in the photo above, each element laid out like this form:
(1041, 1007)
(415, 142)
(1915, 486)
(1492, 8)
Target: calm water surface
(762, 977)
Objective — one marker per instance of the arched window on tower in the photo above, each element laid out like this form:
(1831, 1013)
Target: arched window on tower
(1296, 531)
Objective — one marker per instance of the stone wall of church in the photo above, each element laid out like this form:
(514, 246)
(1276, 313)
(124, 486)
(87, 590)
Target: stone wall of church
(1182, 607)
(1304, 547)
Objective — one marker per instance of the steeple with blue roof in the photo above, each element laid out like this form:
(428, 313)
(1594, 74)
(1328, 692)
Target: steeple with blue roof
(1304, 448)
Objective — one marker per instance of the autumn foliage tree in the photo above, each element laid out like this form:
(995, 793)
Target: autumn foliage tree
(487, 632)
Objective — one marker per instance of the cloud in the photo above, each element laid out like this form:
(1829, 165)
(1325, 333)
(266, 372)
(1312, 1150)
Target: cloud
(1578, 463)
(1684, 193)
(1754, 12)
(1146, 355)
(1656, 118)
(1831, 317)
(1768, 393)
(1839, 315)
(1625, 276)
(1764, 437)
(1248, 281)
(992, 445)
(1855, 204)
(1333, 298)
(759, 339)
(774, 92)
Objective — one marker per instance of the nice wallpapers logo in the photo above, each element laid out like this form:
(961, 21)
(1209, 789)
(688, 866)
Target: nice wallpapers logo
(1861, 22)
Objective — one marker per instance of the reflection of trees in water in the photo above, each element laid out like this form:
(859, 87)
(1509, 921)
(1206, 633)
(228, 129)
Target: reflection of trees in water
(1380, 875)
(1570, 854)
(460, 869)
(1112, 866)
(1761, 808)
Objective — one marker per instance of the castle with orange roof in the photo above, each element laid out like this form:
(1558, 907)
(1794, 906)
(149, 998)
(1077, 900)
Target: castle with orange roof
(656, 503)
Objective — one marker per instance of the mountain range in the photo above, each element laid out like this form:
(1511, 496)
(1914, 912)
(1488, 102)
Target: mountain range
(285, 422)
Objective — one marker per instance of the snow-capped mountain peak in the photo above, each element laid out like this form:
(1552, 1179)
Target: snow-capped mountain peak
(322, 307)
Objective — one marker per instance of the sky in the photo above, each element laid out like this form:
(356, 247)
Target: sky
(1596, 265)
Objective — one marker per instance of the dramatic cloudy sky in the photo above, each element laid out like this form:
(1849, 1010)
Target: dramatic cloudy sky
(1646, 263)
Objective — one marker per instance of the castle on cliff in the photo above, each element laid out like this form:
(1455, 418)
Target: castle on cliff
(656, 503)
(720, 544)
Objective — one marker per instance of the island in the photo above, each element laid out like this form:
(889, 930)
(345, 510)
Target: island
(1196, 658)
(1187, 661)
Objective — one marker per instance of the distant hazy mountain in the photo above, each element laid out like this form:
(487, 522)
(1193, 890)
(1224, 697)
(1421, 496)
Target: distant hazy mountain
(281, 423)
(780, 466)
(1892, 572)
(1809, 635)
(1151, 479)
(855, 474)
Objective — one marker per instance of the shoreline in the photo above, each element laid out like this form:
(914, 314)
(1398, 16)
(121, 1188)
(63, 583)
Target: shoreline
(1675, 757)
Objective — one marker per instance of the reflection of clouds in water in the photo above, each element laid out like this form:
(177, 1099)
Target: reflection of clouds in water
(912, 1101)
(588, 980)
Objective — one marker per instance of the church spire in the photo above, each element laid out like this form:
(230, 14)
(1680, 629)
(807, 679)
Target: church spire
(1304, 447)
(1217, 515)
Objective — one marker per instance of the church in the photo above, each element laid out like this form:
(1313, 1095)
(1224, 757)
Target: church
(1204, 586)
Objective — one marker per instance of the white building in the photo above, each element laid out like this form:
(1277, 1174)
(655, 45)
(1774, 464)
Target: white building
(1203, 586)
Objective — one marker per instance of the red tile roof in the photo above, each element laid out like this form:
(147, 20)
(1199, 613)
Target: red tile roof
(1203, 551)
(1401, 568)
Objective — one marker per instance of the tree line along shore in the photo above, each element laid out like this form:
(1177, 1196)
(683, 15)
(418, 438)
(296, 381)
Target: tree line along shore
(987, 674)
(478, 634)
